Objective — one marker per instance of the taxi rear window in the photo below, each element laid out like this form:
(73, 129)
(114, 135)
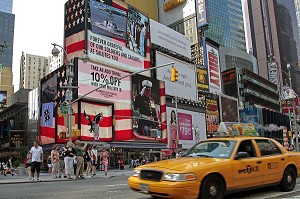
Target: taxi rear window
(212, 149)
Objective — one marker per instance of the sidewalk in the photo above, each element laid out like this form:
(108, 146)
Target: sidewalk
(46, 177)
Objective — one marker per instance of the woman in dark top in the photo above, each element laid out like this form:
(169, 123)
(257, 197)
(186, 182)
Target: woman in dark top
(69, 154)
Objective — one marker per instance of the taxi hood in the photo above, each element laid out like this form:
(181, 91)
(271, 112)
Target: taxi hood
(183, 163)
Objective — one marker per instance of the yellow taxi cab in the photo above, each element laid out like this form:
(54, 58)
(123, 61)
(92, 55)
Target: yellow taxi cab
(217, 166)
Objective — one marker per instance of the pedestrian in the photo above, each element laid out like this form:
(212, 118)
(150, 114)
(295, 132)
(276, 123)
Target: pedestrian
(61, 162)
(121, 164)
(88, 159)
(55, 161)
(27, 162)
(75, 164)
(80, 160)
(49, 164)
(69, 155)
(94, 160)
(36, 156)
(105, 157)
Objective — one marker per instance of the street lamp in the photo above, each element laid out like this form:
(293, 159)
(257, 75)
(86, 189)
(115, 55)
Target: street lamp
(70, 74)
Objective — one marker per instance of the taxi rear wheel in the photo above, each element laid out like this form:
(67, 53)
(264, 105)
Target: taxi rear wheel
(288, 181)
(212, 188)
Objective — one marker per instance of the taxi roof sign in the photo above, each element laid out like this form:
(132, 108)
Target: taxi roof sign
(236, 129)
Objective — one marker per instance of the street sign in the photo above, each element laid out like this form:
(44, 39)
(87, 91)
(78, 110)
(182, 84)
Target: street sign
(64, 110)
(69, 95)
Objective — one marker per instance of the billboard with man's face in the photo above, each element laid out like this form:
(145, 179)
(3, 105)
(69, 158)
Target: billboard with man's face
(148, 109)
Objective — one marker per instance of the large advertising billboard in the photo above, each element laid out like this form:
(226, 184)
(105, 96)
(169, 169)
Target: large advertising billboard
(148, 106)
(92, 76)
(185, 87)
(212, 115)
(168, 38)
(89, 114)
(229, 108)
(201, 13)
(190, 128)
(3, 97)
(229, 82)
(211, 59)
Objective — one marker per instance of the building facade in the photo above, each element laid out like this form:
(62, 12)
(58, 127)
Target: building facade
(6, 6)
(33, 69)
(56, 62)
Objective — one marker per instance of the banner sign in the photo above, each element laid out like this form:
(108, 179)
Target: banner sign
(213, 68)
(201, 13)
(168, 38)
(185, 87)
(185, 126)
(91, 76)
(273, 72)
(113, 52)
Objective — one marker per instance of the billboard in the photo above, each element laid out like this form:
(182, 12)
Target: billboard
(202, 78)
(168, 38)
(137, 31)
(89, 111)
(201, 13)
(33, 104)
(273, 72)
(181, 11)
(249, 115)
(113, 52)
(229, 108)
(212, 115)
(49, 88)
(47, 123)
(3, 97)
(185, 87)
(190, 127)
(211, 59)
(148, 107)
(229, 82)
(107, 20)
(92, 76)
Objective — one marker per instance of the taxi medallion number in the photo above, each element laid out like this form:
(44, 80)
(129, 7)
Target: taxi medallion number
(144, 188)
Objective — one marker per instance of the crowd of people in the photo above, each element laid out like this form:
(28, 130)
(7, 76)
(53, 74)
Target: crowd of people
(66, 161)
(6, 167)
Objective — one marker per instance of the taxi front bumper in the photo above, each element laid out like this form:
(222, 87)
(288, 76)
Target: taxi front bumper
(165, 189)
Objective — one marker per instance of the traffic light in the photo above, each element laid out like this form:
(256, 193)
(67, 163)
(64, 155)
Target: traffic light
(174, 75)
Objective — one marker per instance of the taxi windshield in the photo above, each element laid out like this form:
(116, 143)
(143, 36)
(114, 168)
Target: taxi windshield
(212, 149)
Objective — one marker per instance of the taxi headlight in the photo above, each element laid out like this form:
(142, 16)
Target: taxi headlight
(136, 173)
(179, 177)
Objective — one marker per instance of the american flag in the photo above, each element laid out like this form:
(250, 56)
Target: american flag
(74, 16)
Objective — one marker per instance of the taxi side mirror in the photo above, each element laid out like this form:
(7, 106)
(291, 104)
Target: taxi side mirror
(240, 155)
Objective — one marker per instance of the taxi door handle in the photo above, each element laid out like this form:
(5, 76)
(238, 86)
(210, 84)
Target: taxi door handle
(259, 162)
(282, 159)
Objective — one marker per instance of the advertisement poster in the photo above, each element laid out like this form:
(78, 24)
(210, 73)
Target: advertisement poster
(185, 87)
(47, 124)
(212, 115)
(92, 76)
(185, 126)
(229, 108)
(89, 114)
(113, 52)
(3, 97)
(137, 31)
(202, 79)
(107, 20)
(190, 128)
(249, 115)
(212, 61)
(146, 108)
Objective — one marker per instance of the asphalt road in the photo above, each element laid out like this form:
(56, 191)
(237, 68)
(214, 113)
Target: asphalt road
(109, 188)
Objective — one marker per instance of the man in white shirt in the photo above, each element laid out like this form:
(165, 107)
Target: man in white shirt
(36, 156)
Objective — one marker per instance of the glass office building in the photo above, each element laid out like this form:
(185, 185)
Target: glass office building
(6, 6)
(226, 23)
(7, 24)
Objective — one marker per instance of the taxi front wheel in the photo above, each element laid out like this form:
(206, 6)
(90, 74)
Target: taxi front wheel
(288, 181)
(212, 188)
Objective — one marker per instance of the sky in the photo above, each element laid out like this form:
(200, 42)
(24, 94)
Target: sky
(38, 23)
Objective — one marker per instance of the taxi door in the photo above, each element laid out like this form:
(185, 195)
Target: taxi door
(272, 160)
(247, 172)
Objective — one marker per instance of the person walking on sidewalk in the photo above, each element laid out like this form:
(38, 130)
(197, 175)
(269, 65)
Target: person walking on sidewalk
(69, 154)
(80, 160)
(95, 160)
(61, 170)
(36, 156)
(55, 161)
(88, 159)
(105, 156)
